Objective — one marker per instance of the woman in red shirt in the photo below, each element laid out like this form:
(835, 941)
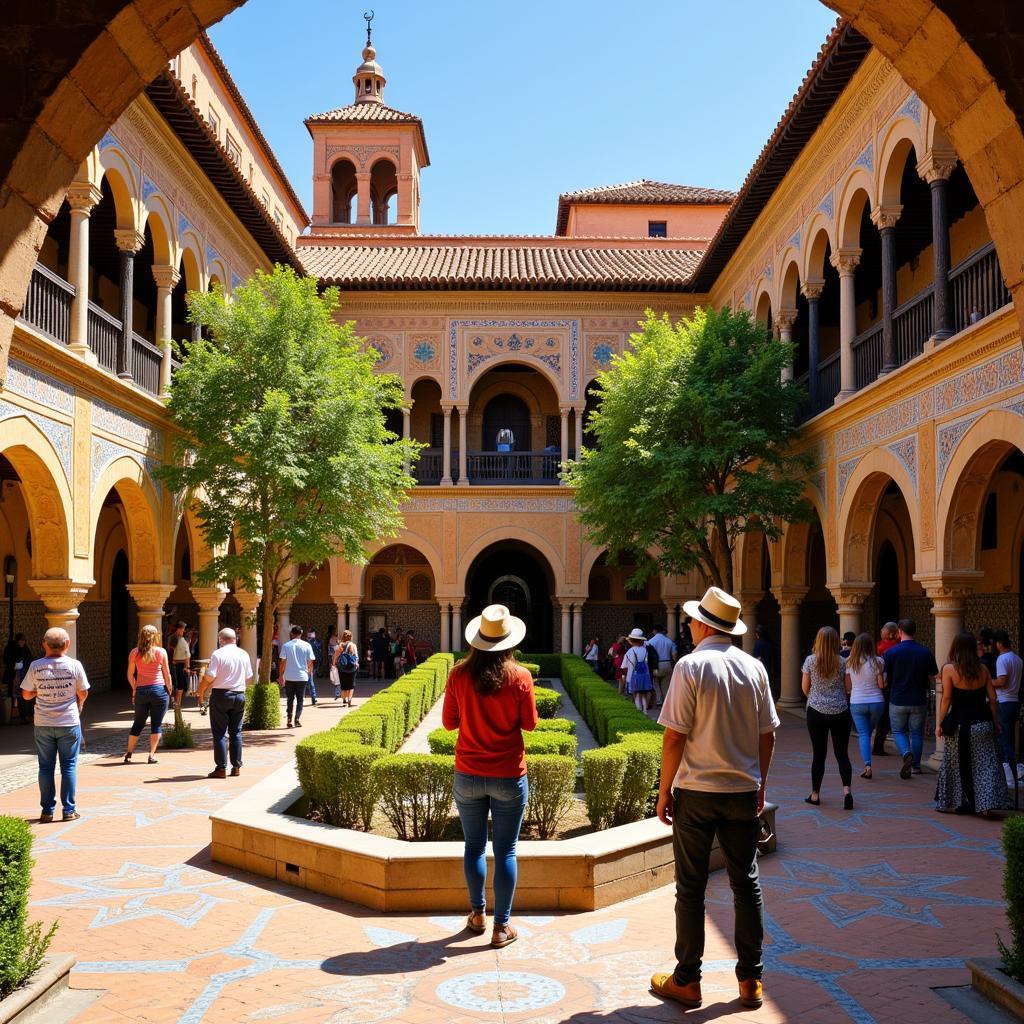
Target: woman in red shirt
(489, 699)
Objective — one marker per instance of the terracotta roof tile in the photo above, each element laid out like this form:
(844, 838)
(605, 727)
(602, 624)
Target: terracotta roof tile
(363, 112)
(499, 267)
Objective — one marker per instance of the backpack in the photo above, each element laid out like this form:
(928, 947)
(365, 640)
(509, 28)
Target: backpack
(653, 657)
(348, 660)
(641, 678)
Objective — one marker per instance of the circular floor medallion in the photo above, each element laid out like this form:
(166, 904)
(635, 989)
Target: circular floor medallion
(480, 991)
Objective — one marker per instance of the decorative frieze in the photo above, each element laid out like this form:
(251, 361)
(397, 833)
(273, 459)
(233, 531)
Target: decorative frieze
(58, 434)
(31, 383)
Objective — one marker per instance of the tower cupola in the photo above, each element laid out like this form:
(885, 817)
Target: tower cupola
(369, 78)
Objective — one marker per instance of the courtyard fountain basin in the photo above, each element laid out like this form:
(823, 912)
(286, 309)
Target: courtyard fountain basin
(256, 833)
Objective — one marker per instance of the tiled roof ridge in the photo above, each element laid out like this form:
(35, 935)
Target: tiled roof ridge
(250, 120)
(597, 190)
(331, 115)
(561, 241)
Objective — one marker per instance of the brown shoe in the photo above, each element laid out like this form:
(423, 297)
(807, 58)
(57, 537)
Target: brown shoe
(751, 993)
(45, 819)
(503, 935)
(235, 771)
(218, 773)
(686, 995)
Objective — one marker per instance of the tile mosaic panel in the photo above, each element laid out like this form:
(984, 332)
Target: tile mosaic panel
(29, 382)
(58, 434)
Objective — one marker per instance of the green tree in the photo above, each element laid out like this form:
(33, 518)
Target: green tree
(281, 441)
(694, 435)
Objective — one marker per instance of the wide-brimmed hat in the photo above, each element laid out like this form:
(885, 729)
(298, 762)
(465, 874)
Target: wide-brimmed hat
(637, 634)
(495, 629)
(717, 609)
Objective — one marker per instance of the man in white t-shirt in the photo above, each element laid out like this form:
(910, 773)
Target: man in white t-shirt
(295, 669)
(60, 687)
(1007, 683)
(227, 676)
(666, 659)
(720, 723)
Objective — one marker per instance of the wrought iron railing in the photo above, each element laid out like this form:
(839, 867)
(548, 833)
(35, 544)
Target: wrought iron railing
(48, 304)
(976, 287)
(513, 467)
(427, 469)
(146, 359)
(912, 325)
(103, 333)
(828, 382)
(867, 355)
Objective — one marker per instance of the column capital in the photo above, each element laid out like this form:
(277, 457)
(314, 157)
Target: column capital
(129, 240)
(812, 289)
(248, 601)
(564, 408)
(846, 260)
(948, 590)
(850, 596)
(62, 595)
(936, 166)
(448, 407)
(747, 598)
(886, 215)
(209, 599)
(785, 318)
(83, 196)
(789, 598)
(150, 596)
(462, 408)
(166, 276)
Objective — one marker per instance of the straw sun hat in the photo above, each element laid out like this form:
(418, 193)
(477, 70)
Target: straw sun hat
(495, 629)
(717, 609)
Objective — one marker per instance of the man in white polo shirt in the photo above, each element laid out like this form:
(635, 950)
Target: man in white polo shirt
(1007, 683)
(227, 676)
(59, 685)
(720, 724)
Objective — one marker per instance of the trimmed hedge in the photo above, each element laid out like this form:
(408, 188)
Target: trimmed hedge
(263, 706)
(548, 741)
(643, 771)
(604, 770)
(179, 737)
(22, 945)
(552, 782)
(415, 793)
(1013, 890)
(336, 774)
(549, 702)
(549, 665)
(556, 725)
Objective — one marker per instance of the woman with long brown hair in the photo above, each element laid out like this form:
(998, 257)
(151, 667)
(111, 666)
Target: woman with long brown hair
(865, 680)
(346, 661)
(828, 713)
(150, 680)
(489, 699)
(970, 778)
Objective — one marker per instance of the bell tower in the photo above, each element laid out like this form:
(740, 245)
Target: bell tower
(367, 159)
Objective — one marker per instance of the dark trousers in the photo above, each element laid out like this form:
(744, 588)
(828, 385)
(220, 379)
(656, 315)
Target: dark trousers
(227, 708)
(883, 726)
(294, 691)
(697, 819)
(821, 727)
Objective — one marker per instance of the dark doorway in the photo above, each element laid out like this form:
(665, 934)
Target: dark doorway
(123, 621)
(506, 411)
(517, 576)
(888, 585)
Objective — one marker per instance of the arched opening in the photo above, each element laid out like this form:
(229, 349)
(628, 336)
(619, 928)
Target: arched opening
(506, 425)
(383, 187)
(124, 623)
(593, 404)
(769, 618)
(181, 606)
(614, 607)
(398, 594)
(104, 327)
(515, 574)
(887, 585)
(427, 427)
(763, 312)
(21, 610)
(818, 607)
(343, 192)
(55, 251)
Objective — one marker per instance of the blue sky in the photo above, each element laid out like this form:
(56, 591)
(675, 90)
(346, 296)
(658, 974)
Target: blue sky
(521, 101)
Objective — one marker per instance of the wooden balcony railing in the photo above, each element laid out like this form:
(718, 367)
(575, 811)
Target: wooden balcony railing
(513, 467)
(146, 359)
(48, 304)
(976, 287)
(103, 333)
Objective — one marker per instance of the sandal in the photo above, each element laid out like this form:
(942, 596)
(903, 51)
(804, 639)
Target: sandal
(503, 935)
(128, 758)
(152, 760)
(477, 922)
(813, 803)
(866, 774)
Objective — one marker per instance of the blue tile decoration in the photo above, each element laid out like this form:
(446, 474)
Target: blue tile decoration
(767, 272)
(465, 992)
(845, 472)
(382, 938)
(603, 354)
(236, 282)
(104, 452)
(58, 434)
(495, 505)
(424, 352)
(109, 139)
(911, 108)
(184, 225)
(29, 382)
(794, 241)
(606, 931)
(866, 158)
(211, 254)
(906, 451)
(827, 206)
(149, 188)
(121, 424)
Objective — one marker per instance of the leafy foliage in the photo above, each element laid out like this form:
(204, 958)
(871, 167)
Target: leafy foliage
(552, 782)
(604, 770)
(416, 792)
(694, 435)
(22, 945)
(1013, 890)
(180, 737)
(336, 774)
(281, 443)
(263, 706)
(548, 701)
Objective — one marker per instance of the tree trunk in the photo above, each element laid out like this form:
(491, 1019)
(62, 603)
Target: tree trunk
(267, 645)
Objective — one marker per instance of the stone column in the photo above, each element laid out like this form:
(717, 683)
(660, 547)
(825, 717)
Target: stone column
(341, 622)
(790, 599)
(936, 169)
(61, 599)
(458, 640)
(446, 627)
(845, 261)
(363, 198)
(248, 641)
(563, 450)
(948, 593)
(166, 279)
(129, 242)
(577, 629)
(811, 291)
(884, 218)
(463, 445)
(81, 198)
(353, 624)
(672, 620)
(850, 598)
(784, 325)
(446, 457)
(209, 600)
(566, 639)
(748, 613)
(406, 432)
(580, 411)
(150, 599)
(284, 620)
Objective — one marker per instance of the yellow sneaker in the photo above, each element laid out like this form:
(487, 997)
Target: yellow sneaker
(686, 995)
(751, 993)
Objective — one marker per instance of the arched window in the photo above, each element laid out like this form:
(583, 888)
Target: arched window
(383, 185)
(419, 588)
(382, 588)
(600, 587)
(506, 412)
(343, 191)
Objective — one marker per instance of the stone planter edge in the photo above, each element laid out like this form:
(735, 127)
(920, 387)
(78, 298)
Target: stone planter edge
(988, 978)
(47, 983)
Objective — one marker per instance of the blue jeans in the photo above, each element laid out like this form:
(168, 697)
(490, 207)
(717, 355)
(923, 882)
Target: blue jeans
(866, 717)
(908, 718)
(475, 795)
(1009, 711)
(150, 702)
(53, 742)
(226, 710)
(312, 686)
